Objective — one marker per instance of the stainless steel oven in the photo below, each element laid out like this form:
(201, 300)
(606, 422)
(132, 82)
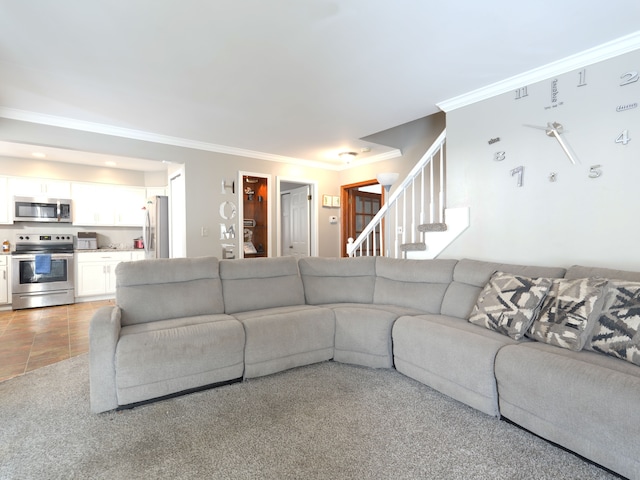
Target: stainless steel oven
(42, 271)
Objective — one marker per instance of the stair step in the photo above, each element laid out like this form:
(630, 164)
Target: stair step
(413, 247)
(432, 227)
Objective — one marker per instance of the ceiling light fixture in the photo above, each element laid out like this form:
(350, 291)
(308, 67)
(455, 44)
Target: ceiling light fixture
(38, 154)
(347, 157)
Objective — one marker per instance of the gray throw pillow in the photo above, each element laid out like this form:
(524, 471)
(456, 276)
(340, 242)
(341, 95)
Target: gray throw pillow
(569, 312)
(617, 332)
(508, 303)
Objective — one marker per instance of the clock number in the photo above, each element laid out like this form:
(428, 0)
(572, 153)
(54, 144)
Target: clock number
(499, 156)
(594, 171)
(519, 171)
(582, 75)
(623, 138)
(629, 77)
(521, 93)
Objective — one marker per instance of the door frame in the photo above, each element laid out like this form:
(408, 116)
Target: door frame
(240, 210)
(313, 212)
(344, 208)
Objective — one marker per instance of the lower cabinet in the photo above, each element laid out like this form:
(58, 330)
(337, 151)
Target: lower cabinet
(4, 279)
(96, 272)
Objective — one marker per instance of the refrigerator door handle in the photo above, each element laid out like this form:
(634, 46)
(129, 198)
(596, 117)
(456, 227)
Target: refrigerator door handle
(146, 228)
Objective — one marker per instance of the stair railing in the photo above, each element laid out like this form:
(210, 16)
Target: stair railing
(371, 240)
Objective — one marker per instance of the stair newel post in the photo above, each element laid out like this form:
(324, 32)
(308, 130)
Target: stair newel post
(386, 180)
(441, 196)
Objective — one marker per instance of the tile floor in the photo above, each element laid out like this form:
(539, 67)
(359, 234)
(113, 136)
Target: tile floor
(35, 337)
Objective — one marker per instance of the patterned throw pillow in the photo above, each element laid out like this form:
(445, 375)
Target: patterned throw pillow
(617, 332)
(508, 303)
(569, 312)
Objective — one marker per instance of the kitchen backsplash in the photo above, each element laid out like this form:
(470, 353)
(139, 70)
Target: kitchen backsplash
(114, 237)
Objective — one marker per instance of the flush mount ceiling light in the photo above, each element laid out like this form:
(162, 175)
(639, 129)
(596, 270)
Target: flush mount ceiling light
(38, 154)
(347, 157)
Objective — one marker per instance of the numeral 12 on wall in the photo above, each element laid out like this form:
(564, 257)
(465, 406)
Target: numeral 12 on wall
(623, 138)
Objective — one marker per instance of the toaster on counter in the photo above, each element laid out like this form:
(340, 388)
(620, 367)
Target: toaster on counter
(87, 241)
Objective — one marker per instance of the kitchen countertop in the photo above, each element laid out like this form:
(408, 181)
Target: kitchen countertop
(108, 249)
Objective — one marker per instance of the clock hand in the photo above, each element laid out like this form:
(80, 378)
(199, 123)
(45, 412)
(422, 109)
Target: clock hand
(555, 129)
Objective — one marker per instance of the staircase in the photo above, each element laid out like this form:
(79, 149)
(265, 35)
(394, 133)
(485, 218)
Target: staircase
(414, 220)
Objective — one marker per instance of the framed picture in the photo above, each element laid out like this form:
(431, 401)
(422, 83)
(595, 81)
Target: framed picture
(326, 200)
(335, 201)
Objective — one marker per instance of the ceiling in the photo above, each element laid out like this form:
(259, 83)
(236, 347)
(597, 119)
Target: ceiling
(282, 79)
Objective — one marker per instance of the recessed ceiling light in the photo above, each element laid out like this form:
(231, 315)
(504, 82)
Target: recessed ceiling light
(38, 154)
(110, 163)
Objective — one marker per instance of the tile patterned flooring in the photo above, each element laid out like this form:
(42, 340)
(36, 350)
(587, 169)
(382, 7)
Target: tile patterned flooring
(35, 337)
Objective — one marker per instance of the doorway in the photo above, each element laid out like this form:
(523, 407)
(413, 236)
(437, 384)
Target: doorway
(360, 203)
(296, 229)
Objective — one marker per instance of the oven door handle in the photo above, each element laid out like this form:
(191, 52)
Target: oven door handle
(32, 256)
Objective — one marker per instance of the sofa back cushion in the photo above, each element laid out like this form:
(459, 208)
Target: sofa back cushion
(338, 280)
(578, 271)
(470, 277)
(151, 290)
(258, 283)
(419, 284)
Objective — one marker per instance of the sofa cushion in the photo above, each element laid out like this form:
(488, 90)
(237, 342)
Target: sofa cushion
(509, 303)
(617, 331)
(363, 336)
(584, 401)
(417, 284)
(168, 356)
(569, 312)
(450, 355)
(470, 277)
(258, 283)
(286, 337)
(337, 280)
(161, 289)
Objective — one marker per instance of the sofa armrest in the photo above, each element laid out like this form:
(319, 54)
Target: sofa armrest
(104, 331)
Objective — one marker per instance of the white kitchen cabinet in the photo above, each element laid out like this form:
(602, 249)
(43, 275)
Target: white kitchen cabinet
(153, 191)
(4, 279)
(92, 204)
(5, 201)
(137, 255)
(128, 206)
(96, 272)
(97, 204)
(39, 187)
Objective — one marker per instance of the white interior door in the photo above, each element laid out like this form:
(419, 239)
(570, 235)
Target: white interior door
(177, 215)
(299, 223)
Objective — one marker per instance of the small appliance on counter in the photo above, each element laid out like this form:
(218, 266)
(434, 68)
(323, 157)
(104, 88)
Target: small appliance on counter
(138, 243)
(87, 241)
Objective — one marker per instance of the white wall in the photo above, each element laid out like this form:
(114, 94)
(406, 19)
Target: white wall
(575, 220)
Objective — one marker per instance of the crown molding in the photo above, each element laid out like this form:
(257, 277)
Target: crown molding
(597, 54)
(100, 128)
(395, 153)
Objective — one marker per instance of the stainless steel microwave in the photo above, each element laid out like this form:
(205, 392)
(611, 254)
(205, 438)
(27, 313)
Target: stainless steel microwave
(36, 209)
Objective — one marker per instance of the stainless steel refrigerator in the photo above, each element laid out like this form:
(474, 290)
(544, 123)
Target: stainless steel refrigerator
(155, 229)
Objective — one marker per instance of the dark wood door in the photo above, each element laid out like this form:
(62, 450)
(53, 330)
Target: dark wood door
(358, 208)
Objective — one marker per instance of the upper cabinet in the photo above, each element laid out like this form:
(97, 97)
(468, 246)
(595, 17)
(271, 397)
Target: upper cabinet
(107, 205)
(39, 187)
(5, 206)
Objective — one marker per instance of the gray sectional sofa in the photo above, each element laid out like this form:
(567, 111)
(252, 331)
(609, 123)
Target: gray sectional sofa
(185, 324)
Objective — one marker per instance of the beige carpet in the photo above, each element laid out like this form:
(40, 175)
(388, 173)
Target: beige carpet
(324, 421)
